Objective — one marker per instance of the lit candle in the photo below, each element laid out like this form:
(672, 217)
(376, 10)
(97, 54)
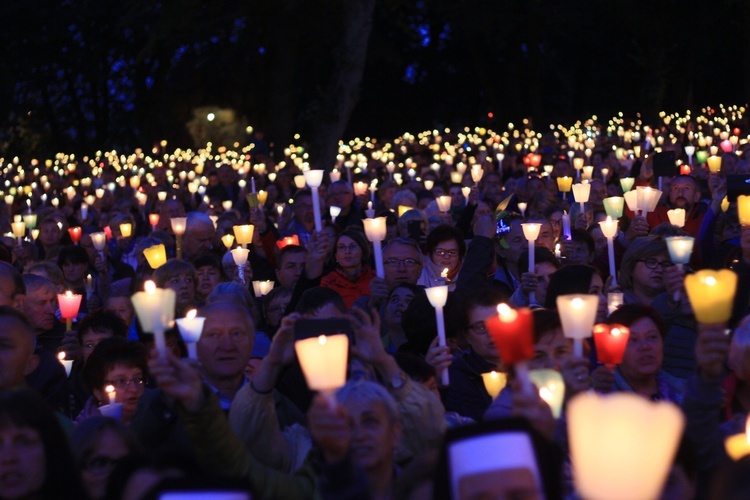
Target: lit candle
(690, 151)
(228, 241)
(262, 197)
(566, 226)
(370, 212)
(19, 230)
(360, 188)
(111, 394)
(494, 382)
(476, 173)
(323, 361)
(714, 164)
(648, 198)
(243, 234)
(335, 212)
(627, 183)
(738, 445)
(577, 315)
(558, 253)
(126, 229)
(153, 219)
(240, 259)
(75, 234)
(581, 192)
(155, 310)
(179, 224)
(314, 178)
(191, 327)
(610, 341)
(743, 209)
(614, 206)
(551, 388)
(512, 332)
(609, 230)
(438, 296)
(69, 304)
(429, 184)
(711, 294)
(89, 282)
(375, 230)
(261, 288)
(443, 203)
(156, 256)
(614, 300)
(676, 217)
(564, 185)
(531, 233)
(522, 207)
(685, 169)
(701, 156)
(622, 446)
(288, 240)
(67, 363)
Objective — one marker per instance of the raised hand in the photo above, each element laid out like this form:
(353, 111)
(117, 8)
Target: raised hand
(178, 379)
(711, 349)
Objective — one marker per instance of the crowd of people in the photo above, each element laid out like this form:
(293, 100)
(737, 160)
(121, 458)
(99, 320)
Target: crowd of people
(239, 417)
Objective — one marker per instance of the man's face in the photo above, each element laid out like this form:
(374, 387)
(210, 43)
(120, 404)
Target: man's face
(291, 268)
(373, 435)
(340, 195)
(682, 194)
(577, 252)
(39, 307)
(122, 307)
(16, 353)
(208, 277)
(50, 234)
(303, 210)
(225, 344)
(402, 264)
(198, 239)
(276, 308)
(516, 243)
(546, 236)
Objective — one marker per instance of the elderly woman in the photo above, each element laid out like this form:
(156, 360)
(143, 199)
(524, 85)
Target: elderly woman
(352, 276)
(445, 248)
(641, 369)
(642, 270)
(178, 275)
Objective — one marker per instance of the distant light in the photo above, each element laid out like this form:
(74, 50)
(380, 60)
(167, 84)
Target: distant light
(211, 117)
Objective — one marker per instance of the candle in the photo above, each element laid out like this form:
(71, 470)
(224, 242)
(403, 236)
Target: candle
(334, 211)
(240, 259)
(334, 175)
(626, 183)
(370, 212)
(191, 327)
(714, 164)
(156, 256)
(512, 332)
(564, 185)
(429, 184)
(155, 310)
(743, 209)
(466, 191)
(438, 296)
(522, 207)
(69, 304)
(288, 240)
(67, 363)
(676, 217)
(558, 253)
(690, 151)
(578, 165)
(111, 395)
(30, 220)
(476, 173)
(614, 206)
(252, 185)
(566, 226)
(153, 219)
(581, 192)
(375, 231)
(622, 446)
(588, 173)
(314, 178)
(494, 382)
(323, 361)
(648, 198)
(551, 388)
(738, 445)
(701, 156)
(685, 169)
(443, 203)
(577, 315)
(299, 181)
(614, 300)
(609, 230)
(89, 283)
(19, 230)
(360, 188)
(228, 241)
(262, 197)
(531, 233)
(610, 341)
(75, 234)
(711, 294)
(261, 288)
(126, 229)
(243, 234)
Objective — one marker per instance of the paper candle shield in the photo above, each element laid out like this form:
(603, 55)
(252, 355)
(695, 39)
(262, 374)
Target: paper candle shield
(610, 341)
(512, 331)
(69, 304)
(564, 184)
(156, 256)
(680, 248)
(631, 198)
(622, 445)
(676, 217)
(494, 382)
(626, 183)
(613, 206)
(581, 192)
(743, 209)
(190, 328)
(243, 234)
(155, 308)
(323, 361)
(711, 294)
(577, 314)
(551, 388)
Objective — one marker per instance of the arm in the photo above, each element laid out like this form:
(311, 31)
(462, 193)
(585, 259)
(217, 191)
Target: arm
(480, 254)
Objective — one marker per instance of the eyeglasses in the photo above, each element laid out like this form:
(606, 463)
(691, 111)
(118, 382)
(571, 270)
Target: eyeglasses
(478, 328)
(123, 383)
(653, 263)
(441, 252)
(398, 262)
(343, 248)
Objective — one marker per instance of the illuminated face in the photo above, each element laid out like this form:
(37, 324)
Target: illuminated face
(477, 335)
(129, 384)
(446, 256)
(184, 288)
(225, 344)
(373, 436)
(648, 274)
(682, 193)
(40, 307)
(291, 268)
(644, 353)
(348, 253)
(402, 264)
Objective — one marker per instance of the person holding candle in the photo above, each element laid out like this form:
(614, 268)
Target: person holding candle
(398, 302)
(642, 270)
(641, 369)
(573, 279)
(199, 235)
(352, 276)
(74, 262)
(545, 264)
(17, 360)
(40, 307)
(178, 275)
(290, 264)
(208, 274)
(340, 194)
(303, 221)
(50, 238)
(122, 248)
(445, 248)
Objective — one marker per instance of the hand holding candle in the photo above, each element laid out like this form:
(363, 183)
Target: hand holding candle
(512, 332)
(191, 327)
(438, 296)
(314, 178)
(375, 230)
(577, 315)
(531, 233)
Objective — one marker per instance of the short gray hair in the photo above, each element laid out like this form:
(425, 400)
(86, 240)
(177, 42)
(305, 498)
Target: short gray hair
(364, 391)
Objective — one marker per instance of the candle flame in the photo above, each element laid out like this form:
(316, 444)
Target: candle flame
(616, 332)
(68, 294)
(149, 287)
(711, 281)
(506, 313)
(493, 374)
(546, 395)
(191, 314)
(577, 302)
(109, 389)
(444, 274)
(322, 340)
(61, 355)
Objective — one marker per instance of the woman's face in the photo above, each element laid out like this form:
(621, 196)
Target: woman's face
(128, 382)
(208, 277)
(348, 253)
(477, 335)
(23, 462)
(74, 272)
(644, 353)
(552, 350)
(184, 287)
(397, 304)
(597, 288)
(50, 234)
(95, 471)
(445, 255)
(650, 280)
(122, 307)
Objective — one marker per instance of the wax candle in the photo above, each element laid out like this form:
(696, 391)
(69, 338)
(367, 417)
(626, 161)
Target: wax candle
(69, 304)
(239, 255)
(75, 234)
(743, 209)
(19, 230)
(609, 230)
(334, 211)
(738, 445)
(714, 164)
(613, 206)
(191, 328)
(566, 226)
(228, 241)
(438, 296)
(564, 185)
(577, 315)
(153, 219)
(243, 234)
(126, 229)
(375, 231)
(323, 360)
(522, 207)
(67, 363)
(288, 240)
(314, 178)
(531, 233)
(581, 193)
(610, 341)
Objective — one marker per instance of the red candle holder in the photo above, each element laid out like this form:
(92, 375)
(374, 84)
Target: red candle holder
(108, 232)
(512, 331)
(610, 341)
(288, 240)
(75, 234)
(69, 304)
(685, 169)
